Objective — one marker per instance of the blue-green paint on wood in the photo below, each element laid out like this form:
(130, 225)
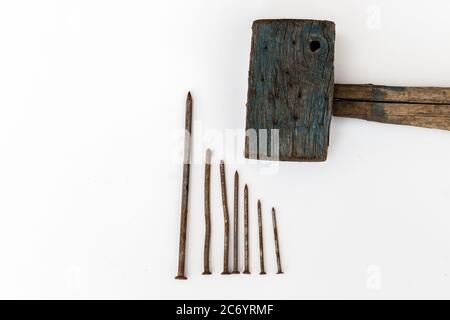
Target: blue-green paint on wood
(291, 86)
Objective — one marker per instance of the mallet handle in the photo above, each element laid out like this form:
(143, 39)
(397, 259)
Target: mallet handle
(427, 107)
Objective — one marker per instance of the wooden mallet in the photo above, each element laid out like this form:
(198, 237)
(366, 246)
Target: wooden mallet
(291, 93)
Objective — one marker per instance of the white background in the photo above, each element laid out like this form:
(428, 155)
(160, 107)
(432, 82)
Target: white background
(91, 106)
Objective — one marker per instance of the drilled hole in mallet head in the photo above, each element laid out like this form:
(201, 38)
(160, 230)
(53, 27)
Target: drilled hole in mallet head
(314, 45)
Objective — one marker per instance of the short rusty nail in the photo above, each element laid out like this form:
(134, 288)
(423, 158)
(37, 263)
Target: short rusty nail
(275, 235)
(225, 218)
(261, 245)
(246, 251)
(235, 224)
(206, 269)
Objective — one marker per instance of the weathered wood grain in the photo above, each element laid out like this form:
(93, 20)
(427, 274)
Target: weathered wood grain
(415, 106)
(370, 92)
(290, 89)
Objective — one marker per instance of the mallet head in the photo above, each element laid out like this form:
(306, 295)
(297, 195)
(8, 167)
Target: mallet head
(290, 90)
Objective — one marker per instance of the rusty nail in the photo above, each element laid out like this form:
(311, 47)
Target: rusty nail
(235, 224)
(246, 252)
(225, 218)
(275, 235)
(206, 269)
(261, 245)
(185, 190)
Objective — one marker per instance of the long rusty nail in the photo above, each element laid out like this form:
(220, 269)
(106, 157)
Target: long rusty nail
(206, 269)
(185, 190)
(275, 235)
(225, 218)
(246, 268)
(235, 224)
(261, 245)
